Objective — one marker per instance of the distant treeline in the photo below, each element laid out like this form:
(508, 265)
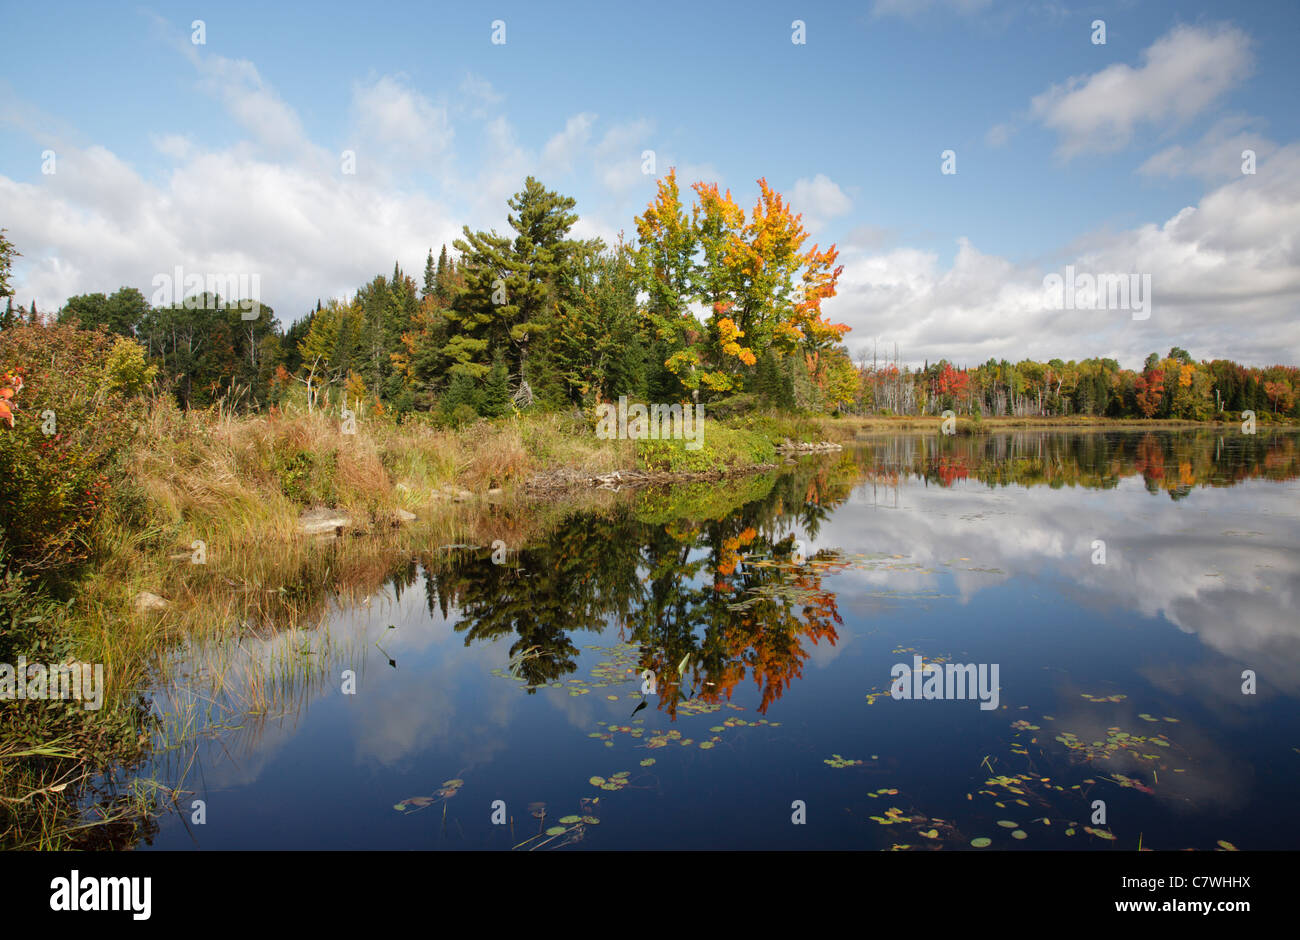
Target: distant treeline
(541, 319)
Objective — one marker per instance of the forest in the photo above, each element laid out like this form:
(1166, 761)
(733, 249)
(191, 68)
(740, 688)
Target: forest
(708, 303)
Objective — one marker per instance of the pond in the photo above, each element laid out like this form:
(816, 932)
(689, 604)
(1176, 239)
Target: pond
(711, 667)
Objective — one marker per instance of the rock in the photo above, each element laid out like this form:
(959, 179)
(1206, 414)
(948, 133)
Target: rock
(145, 602)
(793, 447)
(405, 516)
(495, 492)
(318, 521)
(454, 493)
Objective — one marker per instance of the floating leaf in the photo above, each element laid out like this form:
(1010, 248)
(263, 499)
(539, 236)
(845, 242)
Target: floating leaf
(981, 842)
(597, 781)
(1227, 846)
(647, 762)
(591, 820)
(556, 831)
(1008, 824)
(1020, 834)
(570, 820)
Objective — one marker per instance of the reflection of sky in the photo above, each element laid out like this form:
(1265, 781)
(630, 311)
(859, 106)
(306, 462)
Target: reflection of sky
(1221, 566)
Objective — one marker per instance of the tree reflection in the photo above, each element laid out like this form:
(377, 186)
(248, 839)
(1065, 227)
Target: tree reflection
(709, 583)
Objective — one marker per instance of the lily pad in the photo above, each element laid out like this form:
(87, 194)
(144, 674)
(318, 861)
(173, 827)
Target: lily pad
(1020, 834)
(557, 831)
(570, 820)
(981, 842)
(597, 781)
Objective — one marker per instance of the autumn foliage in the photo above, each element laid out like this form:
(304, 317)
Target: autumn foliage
(58, 451)
(763, 289)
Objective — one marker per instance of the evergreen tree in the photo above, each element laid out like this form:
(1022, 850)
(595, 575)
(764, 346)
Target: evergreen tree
(496, 389)
(463, 394)
(511, 287)
(430, 278)
(444, 279)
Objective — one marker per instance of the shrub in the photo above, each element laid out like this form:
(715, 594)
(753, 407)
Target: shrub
(724, 448)
(58, 461)
(126, 372)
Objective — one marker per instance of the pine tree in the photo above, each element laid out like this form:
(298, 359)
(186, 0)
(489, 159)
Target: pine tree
(443, 278)
(509, 292)
(463, 399)
(496, 389)
(430, 278)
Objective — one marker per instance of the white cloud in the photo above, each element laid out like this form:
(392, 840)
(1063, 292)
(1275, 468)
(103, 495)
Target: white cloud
(561, 150)
(1225, 278)
(253, 104)
(1183, 73)
(400, 122)
(478, 96)
(819, 199)
(618, 155)
(1216, 157)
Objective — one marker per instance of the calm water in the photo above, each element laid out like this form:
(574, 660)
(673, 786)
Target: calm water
(786, 600)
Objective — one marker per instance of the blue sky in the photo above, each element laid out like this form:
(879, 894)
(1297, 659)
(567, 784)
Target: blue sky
(1122, 157)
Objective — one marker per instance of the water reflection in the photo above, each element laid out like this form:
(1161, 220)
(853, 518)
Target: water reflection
(729, 596)
(745, 592)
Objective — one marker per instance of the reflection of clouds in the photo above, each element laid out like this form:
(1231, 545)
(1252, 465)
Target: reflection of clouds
(400, 712)
(1222, 564)
(395, 713)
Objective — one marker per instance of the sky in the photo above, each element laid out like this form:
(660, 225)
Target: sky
(128, 149)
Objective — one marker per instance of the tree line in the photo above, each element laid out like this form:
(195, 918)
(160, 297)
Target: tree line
(709, 303)
(1170, 387)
